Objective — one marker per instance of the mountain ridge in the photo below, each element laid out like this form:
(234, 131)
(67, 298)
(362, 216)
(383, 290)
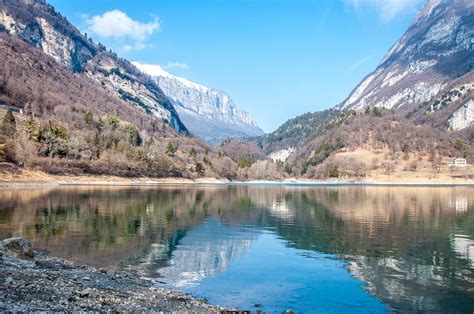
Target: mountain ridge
(209, 113)
(435, 51)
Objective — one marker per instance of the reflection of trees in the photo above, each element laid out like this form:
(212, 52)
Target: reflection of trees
(398, 240)
(374, 221)
(104, 226)
(404, 242)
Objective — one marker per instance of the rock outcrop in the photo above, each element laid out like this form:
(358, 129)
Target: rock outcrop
(463, 117)
(18, 246)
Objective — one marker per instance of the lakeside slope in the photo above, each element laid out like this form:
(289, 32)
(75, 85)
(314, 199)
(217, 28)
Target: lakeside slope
(27, 178)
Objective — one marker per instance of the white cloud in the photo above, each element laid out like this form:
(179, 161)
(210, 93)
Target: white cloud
(177, 65)
(134, 47)
(388, 9)
(117, 24)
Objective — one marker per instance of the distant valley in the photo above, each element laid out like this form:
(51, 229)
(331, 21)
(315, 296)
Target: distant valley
(72, 107)
(209, 113)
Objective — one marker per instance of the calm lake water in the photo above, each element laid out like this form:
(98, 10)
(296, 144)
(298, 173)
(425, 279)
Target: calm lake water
(310, 249)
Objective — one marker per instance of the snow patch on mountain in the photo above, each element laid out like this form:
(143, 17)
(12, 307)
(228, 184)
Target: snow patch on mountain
(420, 66)
(155, 70)
(359, 91)
(392, 78)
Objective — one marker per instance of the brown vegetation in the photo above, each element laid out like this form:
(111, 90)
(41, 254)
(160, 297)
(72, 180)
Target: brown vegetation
(376, 130)
(68, 125)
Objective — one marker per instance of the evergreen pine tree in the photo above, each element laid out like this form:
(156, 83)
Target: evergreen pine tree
(8, 126)
(170, 149)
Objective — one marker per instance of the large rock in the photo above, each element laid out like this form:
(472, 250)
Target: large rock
(21, 247)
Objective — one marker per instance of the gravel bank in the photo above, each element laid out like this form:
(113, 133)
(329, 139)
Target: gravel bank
(33, 281)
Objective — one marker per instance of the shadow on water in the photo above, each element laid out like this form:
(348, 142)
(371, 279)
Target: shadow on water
(285, 247)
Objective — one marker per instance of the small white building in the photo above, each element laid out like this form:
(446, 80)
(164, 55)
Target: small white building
(458, 162)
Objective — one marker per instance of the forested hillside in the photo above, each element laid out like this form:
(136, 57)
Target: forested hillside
(299, 130)
(357, 142)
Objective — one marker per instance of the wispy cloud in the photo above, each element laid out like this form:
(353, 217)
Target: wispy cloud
(324, 16)
(388, 9)
(117, 24)
(134, 47)
(357, 64)
(176, 65)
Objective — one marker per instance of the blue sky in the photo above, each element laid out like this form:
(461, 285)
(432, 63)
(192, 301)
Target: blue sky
(276, 58)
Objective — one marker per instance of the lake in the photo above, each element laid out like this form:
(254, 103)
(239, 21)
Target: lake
(270, 248)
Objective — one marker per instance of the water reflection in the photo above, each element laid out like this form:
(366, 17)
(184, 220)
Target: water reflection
(202, 252)
(464, 247)
(459, 203)
(412, 247)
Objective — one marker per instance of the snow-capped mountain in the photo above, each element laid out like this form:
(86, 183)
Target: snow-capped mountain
(428, 73)
(208, 113)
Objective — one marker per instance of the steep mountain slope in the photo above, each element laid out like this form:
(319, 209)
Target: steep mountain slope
(208, 113)
(37, 23)
(68, 106)
(428, 73)
(41, 87)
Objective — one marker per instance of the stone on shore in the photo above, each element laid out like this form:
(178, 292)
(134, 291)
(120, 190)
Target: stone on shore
(21, 247)
(85, 293)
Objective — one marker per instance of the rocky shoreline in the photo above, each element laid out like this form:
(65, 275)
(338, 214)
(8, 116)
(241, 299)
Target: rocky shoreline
(34, 281)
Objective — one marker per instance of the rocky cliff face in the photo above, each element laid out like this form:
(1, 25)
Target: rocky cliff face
(37, 23)
(209, 113)
(432, 62)
(462, 117)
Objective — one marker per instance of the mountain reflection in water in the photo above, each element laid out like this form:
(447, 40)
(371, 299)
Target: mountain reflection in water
(411, 247)
(202, 252)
